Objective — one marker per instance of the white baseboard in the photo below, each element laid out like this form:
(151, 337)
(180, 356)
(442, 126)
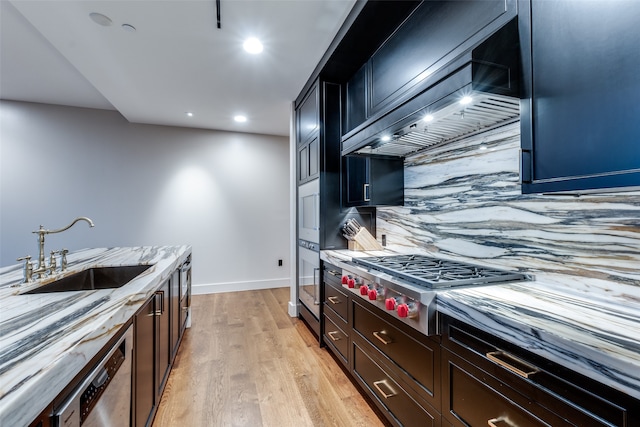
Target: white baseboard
(215, 288)
(293, 309)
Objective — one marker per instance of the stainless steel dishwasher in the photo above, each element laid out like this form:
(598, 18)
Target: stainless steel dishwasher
(103, 399)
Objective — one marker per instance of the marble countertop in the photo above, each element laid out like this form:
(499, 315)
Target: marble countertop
(47, 339)
(593, 329)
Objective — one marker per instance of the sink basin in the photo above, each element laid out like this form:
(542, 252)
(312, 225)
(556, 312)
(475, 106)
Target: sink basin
(93, 278)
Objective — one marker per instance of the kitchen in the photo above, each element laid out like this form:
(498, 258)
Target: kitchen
(462, 201)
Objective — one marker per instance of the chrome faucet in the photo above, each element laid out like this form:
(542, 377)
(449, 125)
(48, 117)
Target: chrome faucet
(43, 269)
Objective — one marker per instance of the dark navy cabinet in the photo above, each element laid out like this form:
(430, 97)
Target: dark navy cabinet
(413, 57)
(307, 136)
(580, 116)
(373, 181)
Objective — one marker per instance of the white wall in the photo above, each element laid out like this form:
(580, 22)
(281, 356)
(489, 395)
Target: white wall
(224, 193)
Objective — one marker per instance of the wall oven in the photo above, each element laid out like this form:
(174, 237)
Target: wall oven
(309, 211)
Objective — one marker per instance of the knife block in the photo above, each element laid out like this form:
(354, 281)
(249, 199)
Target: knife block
(365, 241)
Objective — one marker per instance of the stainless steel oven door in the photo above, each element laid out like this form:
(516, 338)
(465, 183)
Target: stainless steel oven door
(309, 276)
(309, 211)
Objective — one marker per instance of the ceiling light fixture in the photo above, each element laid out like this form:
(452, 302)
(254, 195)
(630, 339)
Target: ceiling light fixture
(386, 138)
(252, 45)
(129, 28)
(428, 118)
(189, 114)
(466, 100)
(100, 19)
(240, 118)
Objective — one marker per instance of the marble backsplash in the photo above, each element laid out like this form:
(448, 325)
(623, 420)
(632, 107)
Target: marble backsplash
(463, 200)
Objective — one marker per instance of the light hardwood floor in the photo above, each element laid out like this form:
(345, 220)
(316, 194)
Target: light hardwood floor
(245, 362)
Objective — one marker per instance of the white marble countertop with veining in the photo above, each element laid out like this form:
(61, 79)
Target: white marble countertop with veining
(47, 339)
(591, 327)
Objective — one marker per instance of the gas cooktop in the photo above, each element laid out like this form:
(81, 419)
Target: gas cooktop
(435, 273)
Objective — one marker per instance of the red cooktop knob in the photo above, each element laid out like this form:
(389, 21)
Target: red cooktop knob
(351, 283)
(403, 310)
(390, 304)
(364, 289)
(344, 280)
(373, 294)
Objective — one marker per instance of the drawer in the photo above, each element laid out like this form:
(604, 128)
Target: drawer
(337, 300)
(473, 398)
(332, 274)
(419, 361)
(506, 378)
(336, 338)
(401, 409)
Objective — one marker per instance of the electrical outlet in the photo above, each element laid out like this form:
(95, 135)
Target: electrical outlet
(279, 263)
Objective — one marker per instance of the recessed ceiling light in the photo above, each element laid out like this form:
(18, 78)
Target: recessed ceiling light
(428, 118)
(252, 45)
(386, 138)
(189, 114)
(101, 19)
(240, 118)
(128, 27)
(466, 100)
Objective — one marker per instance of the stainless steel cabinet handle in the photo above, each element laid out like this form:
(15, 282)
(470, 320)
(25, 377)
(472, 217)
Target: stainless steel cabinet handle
(512, 363)
(500, 422)
(334, 273)
(382, 338)
(333, 336)
(334, 300)
(161, 311)
(390, 392)
(366, 192)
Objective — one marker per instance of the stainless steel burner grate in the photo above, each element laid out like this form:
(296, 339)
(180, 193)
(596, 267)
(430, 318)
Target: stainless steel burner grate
(430, 272)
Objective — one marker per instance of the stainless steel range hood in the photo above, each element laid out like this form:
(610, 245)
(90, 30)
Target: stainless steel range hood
(476, 92)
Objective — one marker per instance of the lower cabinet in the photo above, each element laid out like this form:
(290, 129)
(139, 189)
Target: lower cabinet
(395, 401)
(144, 363)
(400, 371)
(463, 377)
(156, 338)
(487, 381)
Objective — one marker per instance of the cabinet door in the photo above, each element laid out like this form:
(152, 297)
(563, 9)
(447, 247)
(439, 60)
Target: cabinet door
(432, 36)
(309, 161)
(307, 114)
(145, 396)
(356, 101)
(373, 181)
(163, 348)
(356, 181)
(174, 312)
(580, 127)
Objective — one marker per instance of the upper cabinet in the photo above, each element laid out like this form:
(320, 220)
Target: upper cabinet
(373, 181)
(580, 127)
(307, 136)
(415, 55)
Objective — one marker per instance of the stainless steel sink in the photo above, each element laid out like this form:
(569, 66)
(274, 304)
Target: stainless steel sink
(93, 278)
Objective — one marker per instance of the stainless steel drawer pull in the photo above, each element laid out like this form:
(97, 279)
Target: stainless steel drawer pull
(512, 363)
(335, 273)
(383, 339)
(500, 422)
(390, 392)
(334, 336)
(334, 300)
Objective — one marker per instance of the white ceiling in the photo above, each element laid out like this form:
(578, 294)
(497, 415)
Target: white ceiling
(176, 61)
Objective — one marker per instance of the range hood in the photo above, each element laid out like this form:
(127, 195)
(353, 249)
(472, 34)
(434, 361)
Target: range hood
(475, 93)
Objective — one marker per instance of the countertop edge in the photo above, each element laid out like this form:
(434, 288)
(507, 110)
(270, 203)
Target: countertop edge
(107, 321)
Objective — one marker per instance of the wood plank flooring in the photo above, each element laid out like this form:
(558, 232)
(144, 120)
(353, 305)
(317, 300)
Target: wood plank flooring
(245, 362)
